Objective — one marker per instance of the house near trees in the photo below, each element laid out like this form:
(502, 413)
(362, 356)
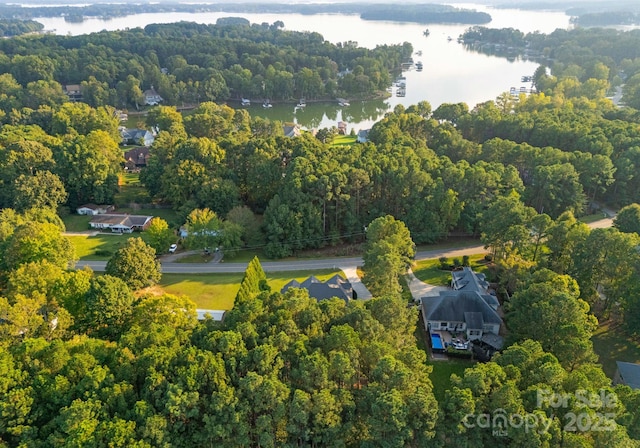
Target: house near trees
(291, 130)
(363, 136)
(93, 209)
(140, 137)
(73, 91)
(468, 308)
(120, 223)
(136, 158)
(151, 97)
(336, 286)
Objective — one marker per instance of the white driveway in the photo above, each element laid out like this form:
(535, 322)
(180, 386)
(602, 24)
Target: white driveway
(420, 289)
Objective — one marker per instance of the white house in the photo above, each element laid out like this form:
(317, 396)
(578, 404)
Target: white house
(151, 97)
(136, 137)
(120, 223)
(93, 209)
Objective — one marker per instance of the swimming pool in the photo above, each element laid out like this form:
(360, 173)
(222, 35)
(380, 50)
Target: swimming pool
(436, 342)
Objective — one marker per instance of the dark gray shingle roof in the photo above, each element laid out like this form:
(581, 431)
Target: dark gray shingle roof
(451, 306)
(467, 280)
(630, 373)
(336, 286)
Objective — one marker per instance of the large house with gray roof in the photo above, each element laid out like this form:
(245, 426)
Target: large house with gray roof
(336, 286)
(468, 308)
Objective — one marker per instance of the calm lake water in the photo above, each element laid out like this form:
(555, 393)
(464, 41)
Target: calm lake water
(451, 74)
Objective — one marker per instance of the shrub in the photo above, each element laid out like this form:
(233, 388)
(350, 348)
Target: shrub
(465, 260)
(443, 262)
(488, 257)
(103, 253)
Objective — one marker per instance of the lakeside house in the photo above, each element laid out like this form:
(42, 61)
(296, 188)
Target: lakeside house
(363, 136)
(151, 97)
(291, 130)
(136, 136)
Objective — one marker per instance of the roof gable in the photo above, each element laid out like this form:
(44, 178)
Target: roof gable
(336, 286)
(451, 306)
(467, 280)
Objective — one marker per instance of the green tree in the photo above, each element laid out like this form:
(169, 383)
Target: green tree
(108, 307)
(42, 190)
(504, 225)
(35, 241)
(135, 263)
(250, 223)
(388, 253)
(253, 282)
(159, 235)
(549, 310)
(203, 227)
(628, 219)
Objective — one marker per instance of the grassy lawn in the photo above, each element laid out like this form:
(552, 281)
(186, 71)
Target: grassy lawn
(344, 140)
(77, 223)
(429, 270)
(441, 375)
(611, 345)
(592, 218)
(130, 190)
(453, 243)
(218, 291)
(86, 246)
(208, 291)
(442, 370)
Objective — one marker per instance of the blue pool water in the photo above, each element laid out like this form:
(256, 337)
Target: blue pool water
(436, 342)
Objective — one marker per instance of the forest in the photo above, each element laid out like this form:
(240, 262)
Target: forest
(109, 360)
(188, 63)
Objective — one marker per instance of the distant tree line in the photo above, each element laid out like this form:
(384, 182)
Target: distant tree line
(408, 13)
(191, 63)
(14, 27)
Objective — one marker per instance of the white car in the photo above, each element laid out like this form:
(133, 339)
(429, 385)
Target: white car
(173, 248)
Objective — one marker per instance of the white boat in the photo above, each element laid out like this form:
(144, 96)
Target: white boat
(342, 102)
(267, 104)
(301, 104)
(245, 102)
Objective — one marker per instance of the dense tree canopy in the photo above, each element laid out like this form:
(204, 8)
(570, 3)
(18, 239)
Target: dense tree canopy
(135, 263)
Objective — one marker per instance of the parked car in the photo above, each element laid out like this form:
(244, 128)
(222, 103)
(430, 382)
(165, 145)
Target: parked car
(173, 248)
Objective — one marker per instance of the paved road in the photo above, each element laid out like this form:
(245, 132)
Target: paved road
(307, 265)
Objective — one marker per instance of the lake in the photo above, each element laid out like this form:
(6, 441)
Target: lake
(451, 74)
